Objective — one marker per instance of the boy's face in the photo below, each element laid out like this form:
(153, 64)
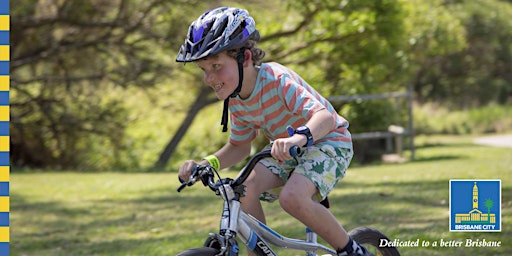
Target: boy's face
(220, 73)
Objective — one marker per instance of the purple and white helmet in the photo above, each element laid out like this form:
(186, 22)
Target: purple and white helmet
(217, 30)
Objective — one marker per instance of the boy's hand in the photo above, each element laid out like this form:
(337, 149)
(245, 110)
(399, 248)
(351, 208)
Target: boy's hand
(186, 170)
(281, 147)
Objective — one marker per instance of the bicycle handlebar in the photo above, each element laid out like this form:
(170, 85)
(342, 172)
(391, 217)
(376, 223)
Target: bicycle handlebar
(199, 171)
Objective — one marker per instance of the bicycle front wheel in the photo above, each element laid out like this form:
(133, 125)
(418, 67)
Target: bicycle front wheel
(201, 251)
(371, 239)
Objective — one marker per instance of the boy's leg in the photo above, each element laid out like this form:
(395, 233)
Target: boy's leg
(259, 181)
(296, 198)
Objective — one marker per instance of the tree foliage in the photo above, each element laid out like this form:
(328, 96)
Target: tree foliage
(70, 63)
(479, 73)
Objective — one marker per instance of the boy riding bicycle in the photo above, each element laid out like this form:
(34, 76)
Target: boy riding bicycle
(271, 98)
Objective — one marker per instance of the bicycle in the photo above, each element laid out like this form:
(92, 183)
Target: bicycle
(254, 234)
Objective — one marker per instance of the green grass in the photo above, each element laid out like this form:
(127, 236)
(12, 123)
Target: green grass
(142, 214)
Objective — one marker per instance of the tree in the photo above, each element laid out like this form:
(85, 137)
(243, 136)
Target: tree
(69, 63)
(203, 99)
(488, 203)
(477, 71)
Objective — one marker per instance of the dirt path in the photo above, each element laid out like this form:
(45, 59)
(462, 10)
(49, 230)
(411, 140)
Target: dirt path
(496, 141)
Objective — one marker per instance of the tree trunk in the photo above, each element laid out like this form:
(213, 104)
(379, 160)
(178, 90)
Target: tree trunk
(201, 101)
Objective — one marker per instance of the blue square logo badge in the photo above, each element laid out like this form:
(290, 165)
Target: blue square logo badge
(475, 205)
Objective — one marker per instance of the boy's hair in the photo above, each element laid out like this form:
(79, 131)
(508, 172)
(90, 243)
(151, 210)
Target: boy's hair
(257, 53)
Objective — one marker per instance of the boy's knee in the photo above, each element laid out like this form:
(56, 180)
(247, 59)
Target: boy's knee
(291, 201)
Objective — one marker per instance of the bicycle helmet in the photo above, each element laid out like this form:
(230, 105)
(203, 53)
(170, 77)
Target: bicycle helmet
(217, 30)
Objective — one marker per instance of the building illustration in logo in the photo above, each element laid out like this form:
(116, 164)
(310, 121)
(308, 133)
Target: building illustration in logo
(476, 216)
(475, 205)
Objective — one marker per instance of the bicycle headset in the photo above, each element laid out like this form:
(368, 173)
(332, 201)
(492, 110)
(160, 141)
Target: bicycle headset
(217, 30)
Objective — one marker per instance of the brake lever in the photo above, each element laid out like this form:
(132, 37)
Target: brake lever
(189, 183)
(183, 185)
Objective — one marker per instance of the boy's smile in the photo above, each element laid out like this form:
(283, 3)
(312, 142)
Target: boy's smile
(220, 73)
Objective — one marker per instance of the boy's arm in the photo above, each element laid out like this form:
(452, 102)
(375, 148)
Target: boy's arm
(227, 155)
(320, 124)
(231, 154)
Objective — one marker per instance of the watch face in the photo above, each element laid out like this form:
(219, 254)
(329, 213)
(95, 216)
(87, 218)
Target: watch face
(302, 129)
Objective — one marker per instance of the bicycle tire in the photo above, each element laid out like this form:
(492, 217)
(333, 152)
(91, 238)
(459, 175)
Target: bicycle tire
(370, 238)
(201, 251)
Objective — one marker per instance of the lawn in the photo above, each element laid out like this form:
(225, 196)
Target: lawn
(70, 213)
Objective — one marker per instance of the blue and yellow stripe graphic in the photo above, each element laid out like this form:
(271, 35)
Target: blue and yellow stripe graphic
(4, 127)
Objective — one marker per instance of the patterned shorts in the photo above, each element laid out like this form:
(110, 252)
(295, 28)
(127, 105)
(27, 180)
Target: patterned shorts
(323, 164)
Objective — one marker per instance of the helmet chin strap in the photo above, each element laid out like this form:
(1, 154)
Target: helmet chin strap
(240, 58)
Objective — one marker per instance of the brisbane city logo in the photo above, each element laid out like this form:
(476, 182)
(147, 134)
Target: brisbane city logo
(475, 205)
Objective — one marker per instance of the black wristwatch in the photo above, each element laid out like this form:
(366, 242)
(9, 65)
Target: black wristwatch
(304, 130)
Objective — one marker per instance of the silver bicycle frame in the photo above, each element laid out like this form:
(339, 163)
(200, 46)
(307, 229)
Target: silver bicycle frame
(249, 228)
(254, 233)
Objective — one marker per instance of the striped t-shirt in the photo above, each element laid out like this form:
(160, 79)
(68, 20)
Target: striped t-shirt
(281, 98)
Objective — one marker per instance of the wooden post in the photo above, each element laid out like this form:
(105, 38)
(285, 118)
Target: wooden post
(398, 131)
(410, 99)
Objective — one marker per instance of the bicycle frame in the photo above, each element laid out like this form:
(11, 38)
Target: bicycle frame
(236, 223)
(258, 237)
